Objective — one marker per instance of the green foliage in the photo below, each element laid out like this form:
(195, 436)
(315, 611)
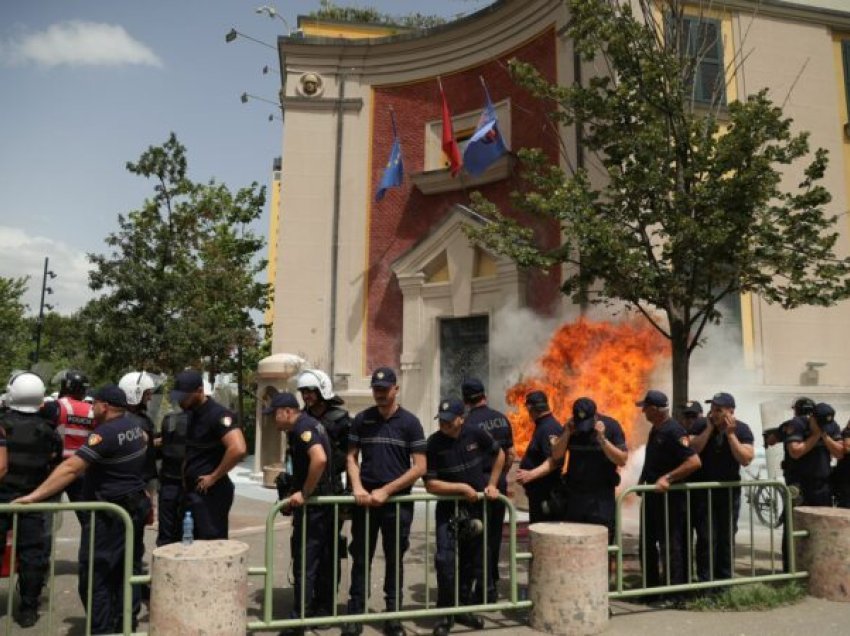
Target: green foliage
(328, 10)
(14, 335)
(745, 598)
(179, 284)
(681, 204)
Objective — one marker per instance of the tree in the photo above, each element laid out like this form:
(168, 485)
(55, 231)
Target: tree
(14, 336)
(691, 207)
(180, 282)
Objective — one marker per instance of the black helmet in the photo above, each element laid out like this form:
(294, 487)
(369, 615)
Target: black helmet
(73, 382)
(803, 406)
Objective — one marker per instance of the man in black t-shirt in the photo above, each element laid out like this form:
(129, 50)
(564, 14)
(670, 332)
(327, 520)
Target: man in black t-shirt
(539, 485)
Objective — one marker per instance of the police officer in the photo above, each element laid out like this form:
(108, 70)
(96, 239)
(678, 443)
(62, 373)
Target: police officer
(669, 459)
(171, 447)
(497, 425)
(29, 445)
(321, 403)
(311, 475)
(694, 420)
(724, 444)
(386, 455)
(75, 422)
(214, 445)
(812, 443)
(113, 459)
(841, 472)
(456, 456)
(540, 485)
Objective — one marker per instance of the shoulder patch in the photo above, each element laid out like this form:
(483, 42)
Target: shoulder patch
(306, 436)
(94, 439)
(685, 441)
(226, 421)
(553, 439)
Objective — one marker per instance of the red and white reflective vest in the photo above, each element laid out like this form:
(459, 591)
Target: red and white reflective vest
(76, 422)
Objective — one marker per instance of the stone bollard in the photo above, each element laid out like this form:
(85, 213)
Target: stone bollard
(199, 589)
(825, 553)
(568, 583)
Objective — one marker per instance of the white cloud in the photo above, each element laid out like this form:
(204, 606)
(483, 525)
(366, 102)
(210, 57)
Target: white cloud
(23, 255)
(79, 43)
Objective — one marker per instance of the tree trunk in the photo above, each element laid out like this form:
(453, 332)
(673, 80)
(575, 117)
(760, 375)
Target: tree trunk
(681, 362)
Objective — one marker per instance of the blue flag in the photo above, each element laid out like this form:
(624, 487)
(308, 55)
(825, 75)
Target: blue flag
(486, 144)
(394, 170)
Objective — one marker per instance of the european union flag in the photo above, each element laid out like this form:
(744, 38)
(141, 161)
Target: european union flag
(394, 170)
(486, 144)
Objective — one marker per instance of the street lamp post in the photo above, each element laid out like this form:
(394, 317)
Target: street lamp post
(40, 323)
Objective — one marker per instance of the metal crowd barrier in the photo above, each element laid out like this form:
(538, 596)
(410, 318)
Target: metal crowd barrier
(92, 507)
(268, 571)
(789, 535)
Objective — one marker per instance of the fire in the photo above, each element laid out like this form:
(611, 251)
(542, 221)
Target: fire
(608, 362)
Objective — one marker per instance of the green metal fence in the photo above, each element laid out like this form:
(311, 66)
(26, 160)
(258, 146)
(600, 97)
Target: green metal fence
(752, 570)
(267, 571)
(53, 509)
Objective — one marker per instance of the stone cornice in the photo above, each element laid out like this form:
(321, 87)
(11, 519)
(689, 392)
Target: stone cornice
(787, 10)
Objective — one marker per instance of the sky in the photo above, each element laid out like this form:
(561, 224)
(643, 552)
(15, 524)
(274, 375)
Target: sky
(88, 85)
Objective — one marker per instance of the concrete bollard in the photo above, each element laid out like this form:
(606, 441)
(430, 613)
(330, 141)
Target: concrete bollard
(568, 583)
(199, 589)
(825, 553)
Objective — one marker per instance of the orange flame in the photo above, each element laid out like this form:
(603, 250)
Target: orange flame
(608, 362)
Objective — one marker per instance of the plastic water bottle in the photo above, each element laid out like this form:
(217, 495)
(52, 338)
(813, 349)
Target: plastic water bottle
(188, 528)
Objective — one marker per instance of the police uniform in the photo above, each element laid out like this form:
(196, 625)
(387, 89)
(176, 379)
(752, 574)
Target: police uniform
(306, 433)
(208, 424)
(719, 464)
(841, 475)
(667, 448)
(74, 422)
(31, 444)
(547, 430)
(115, 454)
(811, 471)
(172, 451)
(460, 460)
(386, 447)
(591, 477)
(499, 428)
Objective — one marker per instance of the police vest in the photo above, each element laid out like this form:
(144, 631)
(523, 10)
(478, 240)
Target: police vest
(173, 445)
(76, 421)
(31, 445)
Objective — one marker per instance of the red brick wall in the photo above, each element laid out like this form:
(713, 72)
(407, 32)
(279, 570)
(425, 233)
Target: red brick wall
(405, 215)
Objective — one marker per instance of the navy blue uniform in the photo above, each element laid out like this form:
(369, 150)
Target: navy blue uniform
(547, 430)
(841, 475)
(591, 477)
(460, 460)
(498, 426)
(208, 424)
(319, 531)
(115, 453)
(667, 448)
(32, 444)
(718, 464)
(385, 448)
(811, 471)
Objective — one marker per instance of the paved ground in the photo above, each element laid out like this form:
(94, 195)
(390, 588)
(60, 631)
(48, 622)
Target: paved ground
(248, 519)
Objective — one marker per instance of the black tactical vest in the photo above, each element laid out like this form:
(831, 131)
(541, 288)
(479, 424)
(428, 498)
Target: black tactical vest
(173, 445)
(32, 445)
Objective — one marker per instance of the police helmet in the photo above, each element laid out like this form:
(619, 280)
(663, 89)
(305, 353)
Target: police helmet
(318, 381)
(134, 385)
(73, 382)
(25, 392)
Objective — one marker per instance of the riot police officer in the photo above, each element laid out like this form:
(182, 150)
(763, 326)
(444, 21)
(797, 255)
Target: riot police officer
(214, 445)
(113, 459)
(31, 444)
(75, 422)
(171, 448)
(321, 403)
(311, 475)
(724, 444)
(386, 455)
(841, 472)
(456, 455)
(540, 485)
(497, 425)
(812, 443)
(669, 459)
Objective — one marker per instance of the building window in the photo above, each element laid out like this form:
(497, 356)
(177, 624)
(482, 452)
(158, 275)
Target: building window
(700, 42)
(845, 56)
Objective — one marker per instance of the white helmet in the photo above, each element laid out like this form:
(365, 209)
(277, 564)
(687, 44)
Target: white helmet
(316, 379)
(134, 385)
(25, 392)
